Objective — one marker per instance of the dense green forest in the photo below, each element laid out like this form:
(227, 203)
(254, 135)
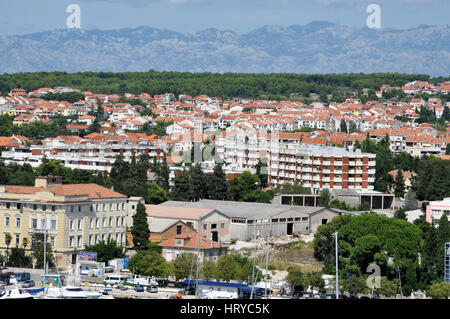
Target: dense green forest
(224, 85)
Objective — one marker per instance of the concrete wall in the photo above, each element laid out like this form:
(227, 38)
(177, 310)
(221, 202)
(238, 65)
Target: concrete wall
(316, 219)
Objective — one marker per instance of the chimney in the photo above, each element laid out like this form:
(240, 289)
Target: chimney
(47, 181)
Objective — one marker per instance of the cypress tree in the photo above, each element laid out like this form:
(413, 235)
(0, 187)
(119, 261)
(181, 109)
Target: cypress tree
(219, 184)
(198, 182)
(182, 190)
(443, 236)
(430, 255)
(399, 187)
(140, 230)
(164, 174)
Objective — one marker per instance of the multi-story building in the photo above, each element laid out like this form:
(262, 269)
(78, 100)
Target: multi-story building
(436, 209)
(92, 154)
(71, 216)
(289, 159)
(319, 167)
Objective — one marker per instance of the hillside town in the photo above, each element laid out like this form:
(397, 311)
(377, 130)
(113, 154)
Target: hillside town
(312, 164)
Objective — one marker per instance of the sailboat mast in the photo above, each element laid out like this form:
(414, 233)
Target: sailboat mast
(198, 257)
(337, 270)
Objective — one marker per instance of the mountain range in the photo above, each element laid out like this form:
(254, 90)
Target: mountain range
(317, 47)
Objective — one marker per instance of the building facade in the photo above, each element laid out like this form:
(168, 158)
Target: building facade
(70, 216)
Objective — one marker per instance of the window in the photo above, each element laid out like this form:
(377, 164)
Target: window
(91, 208)
(44, 207)
(17, 239)
(18, 221)
(43, 223)
(104, 222)
(71, 209)
(79, 223)
(110, 206)
(96, 222)
(123, 206)
(90, 239)
(110, 221)
(117, 221)
(71, 241)
(34, 223)
(18, 205)
(122, 221)
(96, 207)
(6, 221)
(52, 241)
(103, 237)
(213, 226)
(79, 208)
(222, 225)
(71, 224)
(91, 222)
(53, 208)
(118, 206)
(104, 207)
(179, 229)
(53, 224)
(204, 226)
(79, 241)
(8, 205)
(96, 239)
(34, 206)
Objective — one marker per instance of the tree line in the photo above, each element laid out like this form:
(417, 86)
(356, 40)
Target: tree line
(225, 85)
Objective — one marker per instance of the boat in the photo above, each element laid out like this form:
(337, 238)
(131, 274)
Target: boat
(15, 293)
(69, 292)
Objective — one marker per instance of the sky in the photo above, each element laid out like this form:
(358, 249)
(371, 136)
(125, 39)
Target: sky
(241, 16)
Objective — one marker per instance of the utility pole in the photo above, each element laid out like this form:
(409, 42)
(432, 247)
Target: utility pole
(267, 258)
(337, 264)
(45, 251)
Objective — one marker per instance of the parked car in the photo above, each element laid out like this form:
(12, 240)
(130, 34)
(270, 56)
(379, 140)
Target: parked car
(122, 287)
(152, 289)
(28, 284)
(21, 276)
(139, 288)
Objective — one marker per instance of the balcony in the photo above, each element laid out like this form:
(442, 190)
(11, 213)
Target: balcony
(337, 179)
(317, 162)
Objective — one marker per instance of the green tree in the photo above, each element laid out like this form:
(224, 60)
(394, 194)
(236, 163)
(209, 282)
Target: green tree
(430, 256)
(149, 263)
(156, 194)
(198, 182)
(399, 187)
(343, 127)
(227, 268)
(387, 288)
(17, 258)
(364, 250)
(219, 184)
(208, 269)
(443, 236)
(324, 198)
(106, 250)
(400, 214)
(440, 290)
(182, 188)
(140, 230)
(38, 254)
(184, 266)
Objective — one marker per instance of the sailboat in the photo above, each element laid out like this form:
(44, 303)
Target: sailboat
(53, 288)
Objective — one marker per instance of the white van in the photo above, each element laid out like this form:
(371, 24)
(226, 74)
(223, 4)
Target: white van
(115, 279)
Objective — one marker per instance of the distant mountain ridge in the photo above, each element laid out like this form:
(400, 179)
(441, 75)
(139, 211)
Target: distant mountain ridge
(317, 47)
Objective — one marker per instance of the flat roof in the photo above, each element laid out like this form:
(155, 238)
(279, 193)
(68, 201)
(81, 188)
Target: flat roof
(248, 210)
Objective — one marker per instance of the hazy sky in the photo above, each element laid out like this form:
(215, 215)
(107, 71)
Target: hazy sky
(28, 16)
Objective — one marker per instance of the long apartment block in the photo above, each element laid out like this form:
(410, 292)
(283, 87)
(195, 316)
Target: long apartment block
(289, 160)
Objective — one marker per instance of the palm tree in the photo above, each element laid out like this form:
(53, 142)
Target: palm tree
(8, 239)
(25, 242)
